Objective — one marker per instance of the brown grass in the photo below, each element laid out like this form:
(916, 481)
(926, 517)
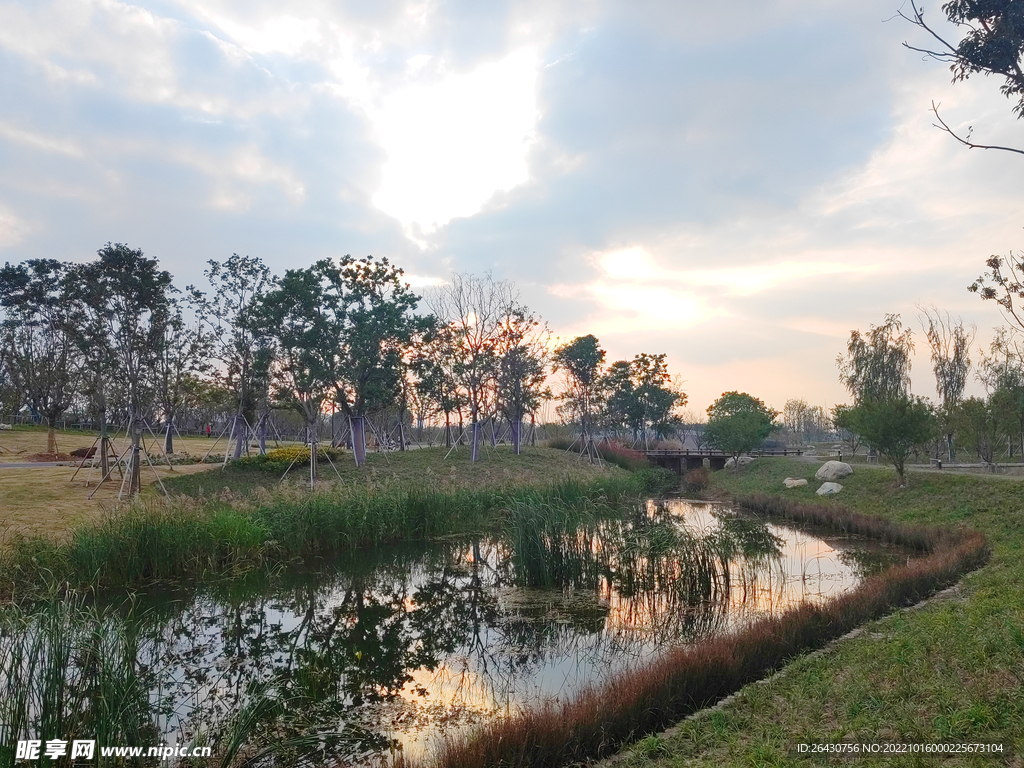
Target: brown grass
(43, 502)
(603, 719)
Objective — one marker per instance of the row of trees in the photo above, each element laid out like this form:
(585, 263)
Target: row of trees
(884, 414)
(346, 335)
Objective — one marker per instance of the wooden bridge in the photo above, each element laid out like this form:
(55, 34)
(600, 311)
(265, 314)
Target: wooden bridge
(683, 460)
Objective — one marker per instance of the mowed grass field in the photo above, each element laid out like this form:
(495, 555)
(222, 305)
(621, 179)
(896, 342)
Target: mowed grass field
(951, 671)
(43, 500)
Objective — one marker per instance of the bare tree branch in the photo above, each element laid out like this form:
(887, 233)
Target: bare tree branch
(967, 141)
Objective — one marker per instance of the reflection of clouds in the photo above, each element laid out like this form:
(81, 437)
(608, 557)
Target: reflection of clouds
(415, 643)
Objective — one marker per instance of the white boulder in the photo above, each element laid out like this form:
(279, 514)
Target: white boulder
(743, 461)
(833, 470)
(829, 489)
(792, 482)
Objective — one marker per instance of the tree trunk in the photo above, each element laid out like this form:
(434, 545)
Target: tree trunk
(516, 428)
(169, 437)
(402, 443)
(357, 426)
(263, 435)
(51, 435)
(104, 444)
(240, 436)
(494, 431)
(135, 478)
(474, 441)
(447, 430)
(533, 430)
(312, 453)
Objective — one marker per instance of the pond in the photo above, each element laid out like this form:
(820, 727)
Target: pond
(390, 648)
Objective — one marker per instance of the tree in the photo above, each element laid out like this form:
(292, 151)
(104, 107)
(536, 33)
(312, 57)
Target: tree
(893, 426)
(474, 308)
(841, 417)
(38, 332)
(979, 427)
(640, 395)
(877, 364)
(303, 320)
(522, 368)
(1001, 373)
(738, 422)
(581, 361)
(129, 300)
(993, 45)
(950, 345)
(182, 356)
(435, 364)
(239, 346)
(373, 317)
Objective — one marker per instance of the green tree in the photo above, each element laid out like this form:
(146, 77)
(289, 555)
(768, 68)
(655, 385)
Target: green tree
(950, 344)
(843, 422)
(978, 424)
(640, 396)
(877, 364)
(435, 364)
(738, 422)
(373, 317)
(993, 44)
(38, 334)
(129, 301)
(182, 357)
(581, 362)
(303, 319)
(894, 426)
(522, 368)
(240, 348)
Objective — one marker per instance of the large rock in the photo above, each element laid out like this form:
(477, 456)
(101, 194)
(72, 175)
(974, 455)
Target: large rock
(743, 461)
(792, 482)
(829, 489)
(833, 470)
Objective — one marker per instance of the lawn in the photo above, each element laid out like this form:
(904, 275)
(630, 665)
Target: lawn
(951, 671)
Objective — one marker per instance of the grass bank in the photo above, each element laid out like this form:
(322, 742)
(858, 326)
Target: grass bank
(948, 672)
(190, 538)
(679, 683)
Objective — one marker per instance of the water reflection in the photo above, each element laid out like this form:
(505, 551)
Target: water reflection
(390, 647)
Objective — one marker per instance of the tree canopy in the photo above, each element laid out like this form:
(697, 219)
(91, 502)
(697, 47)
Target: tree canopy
(738, 422)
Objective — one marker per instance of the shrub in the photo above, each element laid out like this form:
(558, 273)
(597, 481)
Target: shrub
(279, 459)
(697, 480)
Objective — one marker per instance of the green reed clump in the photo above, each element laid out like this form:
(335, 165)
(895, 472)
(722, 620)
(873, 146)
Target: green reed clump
(69, 671)
(187, 539)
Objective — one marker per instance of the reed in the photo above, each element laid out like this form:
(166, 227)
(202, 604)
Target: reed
(185, 539)
(69, 671)
(630, 706)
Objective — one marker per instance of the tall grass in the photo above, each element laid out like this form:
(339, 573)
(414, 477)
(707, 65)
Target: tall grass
(605, 718)
(70, 672)
(188, 539)
(609, 450)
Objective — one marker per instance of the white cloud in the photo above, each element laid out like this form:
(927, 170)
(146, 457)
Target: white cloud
(454, 143)
(12, 228)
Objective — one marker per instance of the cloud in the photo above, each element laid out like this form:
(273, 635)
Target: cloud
(452, 143)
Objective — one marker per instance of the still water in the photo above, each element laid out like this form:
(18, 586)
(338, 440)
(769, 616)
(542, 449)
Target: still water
(387, 649)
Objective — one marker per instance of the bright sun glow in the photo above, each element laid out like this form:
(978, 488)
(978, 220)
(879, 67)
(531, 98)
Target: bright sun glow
(454, 143)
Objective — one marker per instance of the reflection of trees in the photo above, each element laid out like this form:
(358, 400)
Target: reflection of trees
(350, 648)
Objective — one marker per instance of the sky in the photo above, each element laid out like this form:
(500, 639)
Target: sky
(735, 185)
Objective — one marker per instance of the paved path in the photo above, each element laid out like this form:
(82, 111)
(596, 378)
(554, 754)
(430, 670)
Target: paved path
(32, 464)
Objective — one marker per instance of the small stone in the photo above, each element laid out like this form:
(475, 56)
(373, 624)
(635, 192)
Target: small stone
(792, 482)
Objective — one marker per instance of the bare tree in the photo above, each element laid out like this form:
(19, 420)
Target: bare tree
(950, 344)
(474, 309)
